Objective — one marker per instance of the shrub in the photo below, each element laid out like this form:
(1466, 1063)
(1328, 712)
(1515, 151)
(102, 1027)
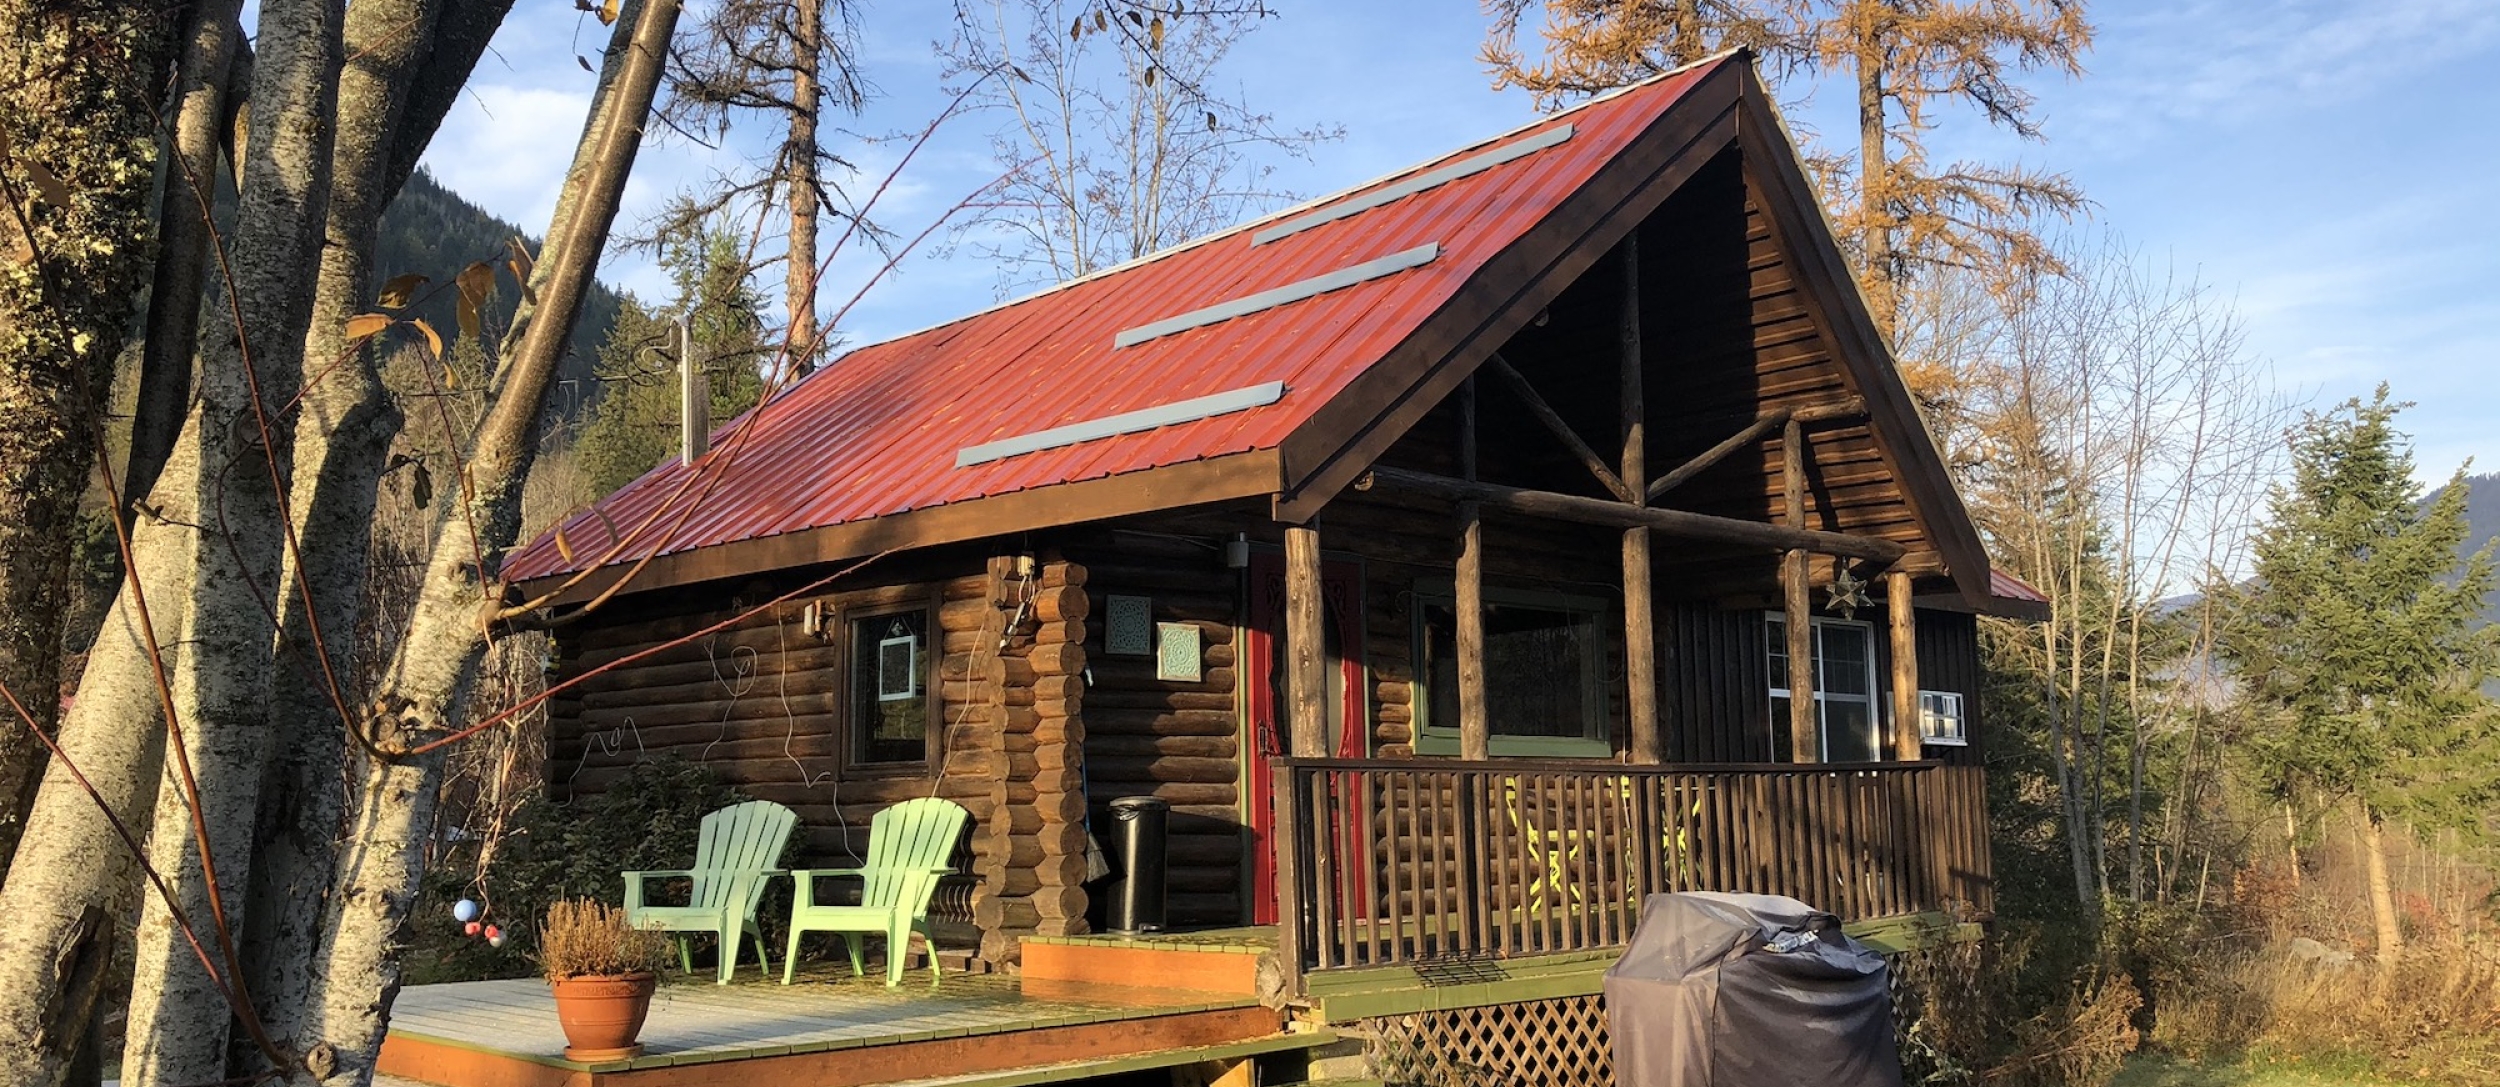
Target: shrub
(588, 938)
(649, 817)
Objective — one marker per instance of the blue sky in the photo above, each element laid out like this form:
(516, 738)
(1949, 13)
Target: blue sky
(2329, 165)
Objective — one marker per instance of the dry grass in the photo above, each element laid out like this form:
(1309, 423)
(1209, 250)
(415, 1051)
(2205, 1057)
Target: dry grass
(2434, 1013)
(587, 938)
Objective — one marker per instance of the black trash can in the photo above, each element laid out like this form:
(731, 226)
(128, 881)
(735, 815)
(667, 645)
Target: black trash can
(1135, 896)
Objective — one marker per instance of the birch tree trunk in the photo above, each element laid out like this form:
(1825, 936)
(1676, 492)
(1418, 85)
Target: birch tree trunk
(2391, 935)
(72, 244)
(248, 376)
(341, 445)
(436, 662)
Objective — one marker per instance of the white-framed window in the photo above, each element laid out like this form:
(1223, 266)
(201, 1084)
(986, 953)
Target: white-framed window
(1544, 673)
(1848, 726)
(1940, 719)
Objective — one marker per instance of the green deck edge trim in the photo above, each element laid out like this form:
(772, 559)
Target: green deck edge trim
(1339, 996)
(1135, 1062)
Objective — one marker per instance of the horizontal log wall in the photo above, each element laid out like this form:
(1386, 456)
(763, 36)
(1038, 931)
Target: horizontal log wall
(1174, 739)
(757, 703)
(760, 704)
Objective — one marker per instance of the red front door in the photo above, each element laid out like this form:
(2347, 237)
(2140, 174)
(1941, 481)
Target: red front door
(1263, 676)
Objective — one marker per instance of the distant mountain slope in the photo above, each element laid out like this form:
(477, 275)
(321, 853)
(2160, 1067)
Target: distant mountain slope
(2482, 524)
(431, 231)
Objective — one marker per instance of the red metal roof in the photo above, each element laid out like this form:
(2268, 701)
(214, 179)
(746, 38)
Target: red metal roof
(876, 432)
(2005, 586)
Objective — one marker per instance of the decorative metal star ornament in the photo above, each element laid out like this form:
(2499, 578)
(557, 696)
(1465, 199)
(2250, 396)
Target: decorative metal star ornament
(1848, 594)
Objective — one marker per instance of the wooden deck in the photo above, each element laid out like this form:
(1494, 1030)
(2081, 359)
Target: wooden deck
(828, 1031)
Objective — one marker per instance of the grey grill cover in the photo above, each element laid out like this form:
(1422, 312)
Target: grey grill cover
(1726, 990)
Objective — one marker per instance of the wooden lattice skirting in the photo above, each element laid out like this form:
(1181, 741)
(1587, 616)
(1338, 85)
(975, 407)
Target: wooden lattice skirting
(1561, 1042)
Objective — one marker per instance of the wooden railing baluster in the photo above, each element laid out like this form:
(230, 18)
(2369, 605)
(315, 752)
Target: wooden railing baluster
(1392, 861)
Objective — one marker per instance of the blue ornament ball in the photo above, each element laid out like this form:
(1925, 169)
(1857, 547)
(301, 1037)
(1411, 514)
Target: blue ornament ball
(464, 911)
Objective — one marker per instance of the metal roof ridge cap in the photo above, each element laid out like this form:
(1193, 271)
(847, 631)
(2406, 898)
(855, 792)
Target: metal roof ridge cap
(1282, 295)
(1175, 413)
(1416, 184)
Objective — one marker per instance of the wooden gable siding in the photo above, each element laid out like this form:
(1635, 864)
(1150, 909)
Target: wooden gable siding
(760, 704)
(1727, 335)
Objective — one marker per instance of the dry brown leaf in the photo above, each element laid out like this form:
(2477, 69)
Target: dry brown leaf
(1154, 34)
(400, 288)
(433, 339)
(607, 13)
(367, 325)
(522, 264)
(470, 324)
(564, 547)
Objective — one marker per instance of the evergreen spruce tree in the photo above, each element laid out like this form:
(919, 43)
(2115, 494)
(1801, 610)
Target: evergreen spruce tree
(635, 424)
(2356, 646)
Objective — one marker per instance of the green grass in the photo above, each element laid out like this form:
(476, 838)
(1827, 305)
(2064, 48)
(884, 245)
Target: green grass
(2158, 1070)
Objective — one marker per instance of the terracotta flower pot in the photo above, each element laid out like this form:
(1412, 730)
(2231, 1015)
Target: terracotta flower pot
(601, 1015)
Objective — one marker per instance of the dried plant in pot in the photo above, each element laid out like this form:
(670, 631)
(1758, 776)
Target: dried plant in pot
(603, 971)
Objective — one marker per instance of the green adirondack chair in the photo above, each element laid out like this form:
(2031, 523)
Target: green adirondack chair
(733, 860)
(908, 848)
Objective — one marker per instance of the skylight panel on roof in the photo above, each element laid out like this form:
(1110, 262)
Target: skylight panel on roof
(1289, 293)
(1127, 422)
(1434, 179)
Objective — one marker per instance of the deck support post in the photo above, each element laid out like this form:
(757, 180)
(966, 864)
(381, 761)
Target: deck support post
(1905, 731)
(1794, 592)
(1640, 640)
(1306, 652)
(1475, 733)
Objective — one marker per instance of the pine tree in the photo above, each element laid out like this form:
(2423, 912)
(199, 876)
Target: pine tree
(2356, 646)
(635, 423)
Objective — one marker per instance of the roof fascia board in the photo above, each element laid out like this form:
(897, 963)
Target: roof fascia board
(1839, 311)
(1426, 182)
(1997, 606)
(1290, 293)
(1189, 483)
(1341, 439)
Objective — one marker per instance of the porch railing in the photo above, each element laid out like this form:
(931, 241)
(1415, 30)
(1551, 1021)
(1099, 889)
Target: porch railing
(1387, 862)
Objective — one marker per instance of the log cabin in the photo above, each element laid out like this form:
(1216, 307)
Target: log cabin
(1461, 556)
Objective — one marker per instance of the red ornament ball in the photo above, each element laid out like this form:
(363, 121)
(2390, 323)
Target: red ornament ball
(472, 928)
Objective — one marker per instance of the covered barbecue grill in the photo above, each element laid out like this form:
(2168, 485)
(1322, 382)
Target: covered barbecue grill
(1731, 990)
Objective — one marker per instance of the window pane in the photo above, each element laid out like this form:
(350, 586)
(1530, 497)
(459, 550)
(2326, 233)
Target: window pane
(1848, 732)
(1535, 671)
(1539, 667)
(1843, 663)
(889, 692)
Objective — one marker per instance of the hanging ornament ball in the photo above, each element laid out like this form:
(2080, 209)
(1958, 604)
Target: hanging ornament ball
(493, 933)
(471, 928)
(494, 939)
(464, 911)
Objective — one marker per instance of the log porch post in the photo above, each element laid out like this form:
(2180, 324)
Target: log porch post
(1801, 739)
(1306, 654)
(1640, 640)
(1475, 732)
(1905, 735)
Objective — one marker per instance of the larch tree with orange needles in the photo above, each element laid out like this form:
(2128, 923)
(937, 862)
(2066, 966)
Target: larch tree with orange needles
(1902, 213)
